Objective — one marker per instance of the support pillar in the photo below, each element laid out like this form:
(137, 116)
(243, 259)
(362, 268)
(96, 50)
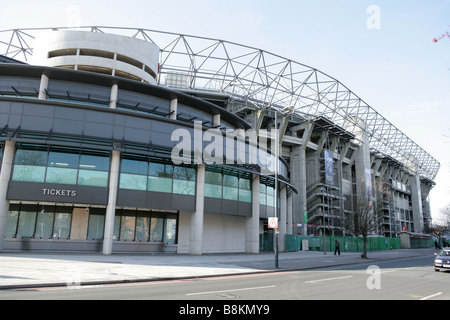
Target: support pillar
(112, 200)
(5, 176)
(42, 95)
(173, 109)
(252, 223)
(282, 219)
(113, 97)
(195, 246)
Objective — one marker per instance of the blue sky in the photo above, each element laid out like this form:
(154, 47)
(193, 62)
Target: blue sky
(395, 67)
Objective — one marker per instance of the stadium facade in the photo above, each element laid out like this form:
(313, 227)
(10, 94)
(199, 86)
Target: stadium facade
(91, 118)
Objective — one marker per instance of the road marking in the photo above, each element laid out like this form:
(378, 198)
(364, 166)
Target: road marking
(432, 296)
(328, 279)
(232, 290)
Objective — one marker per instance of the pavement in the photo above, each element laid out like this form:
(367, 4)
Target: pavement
(34, 270)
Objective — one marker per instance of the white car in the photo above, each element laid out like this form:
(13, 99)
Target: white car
(442, 260)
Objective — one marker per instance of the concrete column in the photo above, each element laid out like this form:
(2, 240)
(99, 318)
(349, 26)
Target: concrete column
(43, 87)
(416, 201)
(173, 109)
(112, 199)
(113, 97)
(5, 176)
(282, 219)
(195, 246)
(289, 220)
(362, 163)
(216, 120)
(252, 223)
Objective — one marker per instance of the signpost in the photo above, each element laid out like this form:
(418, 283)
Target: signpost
(273, 224)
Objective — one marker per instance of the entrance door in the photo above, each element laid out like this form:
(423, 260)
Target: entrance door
(80, 219)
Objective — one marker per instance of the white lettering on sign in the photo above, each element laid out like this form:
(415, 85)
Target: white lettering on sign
(59, 192)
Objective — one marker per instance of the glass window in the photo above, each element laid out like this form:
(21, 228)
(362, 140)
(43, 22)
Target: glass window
(156, 231)
(93, 178)
(230, 181)
(134, 166)
(213, 184)
(184, 187)
(213, 177)
(61, 229)
(184, 180)
(44, 224)
(36, 157)
(27, 221)
(184, 173)
(96, 226)
(117, 219)
(133, 181)
(160, 170)
(244, 184)
(28, 173)
(170, 232)
(160, 184)
(245, 195)
(142, 228)
(230, 193)
(61, 175)
(94, 161)
(11, 223)
(63, 159)
(127, 227)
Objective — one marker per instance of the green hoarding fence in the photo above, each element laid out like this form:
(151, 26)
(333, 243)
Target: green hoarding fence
(293, 242)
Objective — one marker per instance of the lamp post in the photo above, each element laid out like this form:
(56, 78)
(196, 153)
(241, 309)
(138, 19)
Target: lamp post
(287, 110)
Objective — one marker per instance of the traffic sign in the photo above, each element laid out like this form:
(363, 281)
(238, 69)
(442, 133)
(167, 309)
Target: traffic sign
(273, 223)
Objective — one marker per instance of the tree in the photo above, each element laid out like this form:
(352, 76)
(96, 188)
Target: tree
(442, 36)
(364, 219)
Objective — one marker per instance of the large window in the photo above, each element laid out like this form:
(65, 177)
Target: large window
(41, 222)
(266, 195)
(143, 226)
(158, 175)
(61, 165)
(224, 183)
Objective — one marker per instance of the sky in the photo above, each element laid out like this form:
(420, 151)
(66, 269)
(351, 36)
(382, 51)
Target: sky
(382, 50)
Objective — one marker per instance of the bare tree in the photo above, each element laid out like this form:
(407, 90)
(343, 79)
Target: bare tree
(364, 218)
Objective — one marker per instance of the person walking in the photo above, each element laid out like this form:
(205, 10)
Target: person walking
(337, 248)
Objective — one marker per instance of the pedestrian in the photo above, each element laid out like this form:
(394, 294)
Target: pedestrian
(435, 244)
(337, 247)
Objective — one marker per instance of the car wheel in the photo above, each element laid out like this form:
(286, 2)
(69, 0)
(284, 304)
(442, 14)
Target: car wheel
(436, 269)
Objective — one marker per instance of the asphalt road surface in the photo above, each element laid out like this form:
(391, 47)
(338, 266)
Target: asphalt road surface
(402, 279)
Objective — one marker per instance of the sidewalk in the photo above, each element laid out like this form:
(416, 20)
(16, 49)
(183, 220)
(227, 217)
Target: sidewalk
(27, 270)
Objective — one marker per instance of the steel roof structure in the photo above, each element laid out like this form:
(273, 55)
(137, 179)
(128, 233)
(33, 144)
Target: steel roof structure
(258, 79)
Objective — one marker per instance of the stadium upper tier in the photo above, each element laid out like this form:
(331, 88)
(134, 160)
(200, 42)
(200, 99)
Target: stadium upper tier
(253, 78)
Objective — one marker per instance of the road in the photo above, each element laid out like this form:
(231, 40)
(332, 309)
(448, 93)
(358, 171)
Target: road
(402, 279)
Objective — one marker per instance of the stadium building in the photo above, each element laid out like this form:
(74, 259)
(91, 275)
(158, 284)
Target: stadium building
(133, 140)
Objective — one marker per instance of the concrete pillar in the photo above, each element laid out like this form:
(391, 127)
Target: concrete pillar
(252, 223)
(5, 176)
(282, 219)
(173, 109)
(362, 164)
(289, 220)
(42, 95)
(112, 199)
(416, 202)
(195, 246)
(113, 97)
